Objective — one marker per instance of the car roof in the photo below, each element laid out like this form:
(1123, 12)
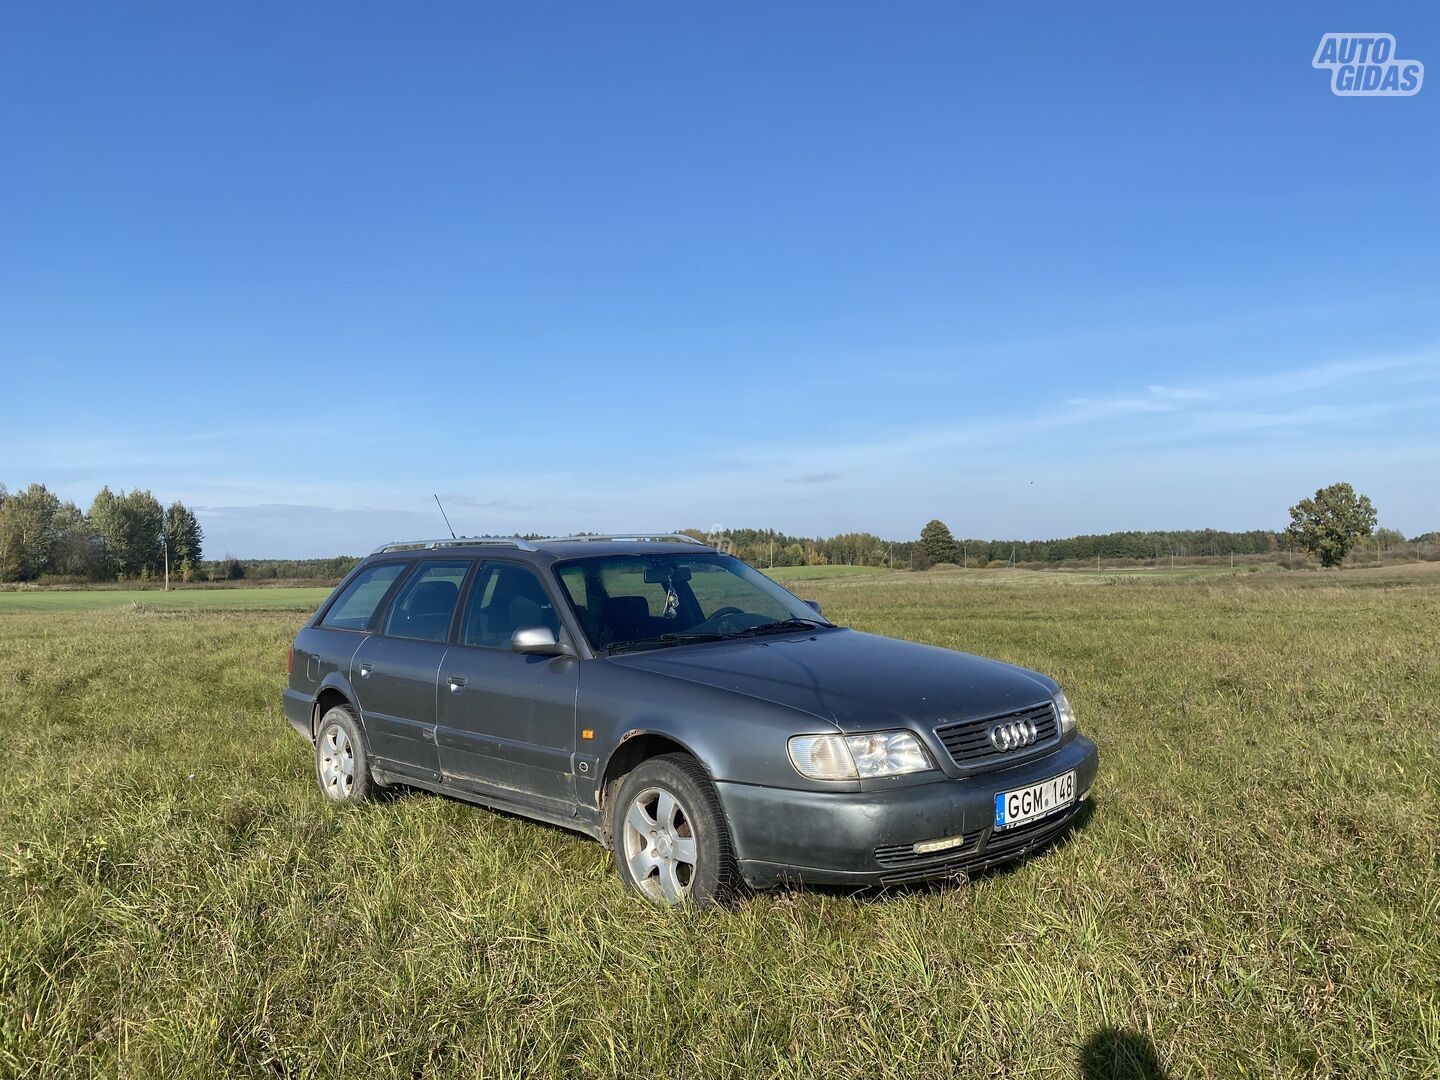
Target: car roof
(546, 550)
(574, 549)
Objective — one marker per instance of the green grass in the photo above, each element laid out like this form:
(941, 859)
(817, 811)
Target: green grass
(276, 599)
(1166, 573)
(1256, 890)
(812, 573)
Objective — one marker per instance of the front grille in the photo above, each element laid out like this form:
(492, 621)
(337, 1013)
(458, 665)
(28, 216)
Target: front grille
(957, 863)
(969, 745)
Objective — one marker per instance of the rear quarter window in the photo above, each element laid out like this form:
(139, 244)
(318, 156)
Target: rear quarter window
(354, 608)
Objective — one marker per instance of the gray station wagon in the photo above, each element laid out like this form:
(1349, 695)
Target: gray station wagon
(677, 704)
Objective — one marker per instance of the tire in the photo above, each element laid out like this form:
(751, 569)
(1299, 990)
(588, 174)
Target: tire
(669, 834)
(342, 767)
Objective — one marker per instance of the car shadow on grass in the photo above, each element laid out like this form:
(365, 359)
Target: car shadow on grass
(1118, 1054)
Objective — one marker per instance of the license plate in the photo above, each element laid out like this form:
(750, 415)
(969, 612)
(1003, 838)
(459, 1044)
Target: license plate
(1028, 803)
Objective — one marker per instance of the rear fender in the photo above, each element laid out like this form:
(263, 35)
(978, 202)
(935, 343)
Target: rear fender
(335, 683)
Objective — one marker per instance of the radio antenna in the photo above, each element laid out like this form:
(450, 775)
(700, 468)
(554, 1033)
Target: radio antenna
(445, 516)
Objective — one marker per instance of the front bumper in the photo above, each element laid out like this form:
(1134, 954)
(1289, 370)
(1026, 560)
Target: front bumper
(865, 838)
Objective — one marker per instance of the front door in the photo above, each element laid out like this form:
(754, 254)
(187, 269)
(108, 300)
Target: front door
(395, 673)
(506, 722)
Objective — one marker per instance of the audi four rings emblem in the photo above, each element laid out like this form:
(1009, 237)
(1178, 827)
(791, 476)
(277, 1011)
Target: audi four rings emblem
(1013, 734)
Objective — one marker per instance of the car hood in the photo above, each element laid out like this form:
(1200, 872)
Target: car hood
(860, 682)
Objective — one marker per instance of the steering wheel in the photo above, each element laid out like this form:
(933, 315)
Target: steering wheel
(720, 619)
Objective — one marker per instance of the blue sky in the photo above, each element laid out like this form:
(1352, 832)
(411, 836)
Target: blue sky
(1037, 270)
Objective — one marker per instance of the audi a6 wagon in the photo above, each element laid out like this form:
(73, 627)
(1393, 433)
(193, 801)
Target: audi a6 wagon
(678, 705)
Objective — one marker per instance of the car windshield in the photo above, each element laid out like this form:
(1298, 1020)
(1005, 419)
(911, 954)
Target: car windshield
(652, 601)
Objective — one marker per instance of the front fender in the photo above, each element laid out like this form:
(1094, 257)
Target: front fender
(735, 737)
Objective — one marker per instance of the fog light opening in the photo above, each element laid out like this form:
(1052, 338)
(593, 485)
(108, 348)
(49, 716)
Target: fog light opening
(1085, 794)
(946, 843)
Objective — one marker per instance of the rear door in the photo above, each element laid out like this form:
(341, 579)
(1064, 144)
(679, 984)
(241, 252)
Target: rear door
(506, 722)
(394, 672)
(328, 646)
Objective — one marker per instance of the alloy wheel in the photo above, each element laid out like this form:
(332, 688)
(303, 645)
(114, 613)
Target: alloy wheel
(337, 763)
(660, 846)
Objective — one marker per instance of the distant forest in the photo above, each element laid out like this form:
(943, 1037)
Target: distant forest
(768, 547)
(129, 536)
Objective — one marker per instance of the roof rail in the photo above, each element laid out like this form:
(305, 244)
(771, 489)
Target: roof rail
(456, 541)
(655, 538)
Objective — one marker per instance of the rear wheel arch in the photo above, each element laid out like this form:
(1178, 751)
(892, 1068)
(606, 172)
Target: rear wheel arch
(326, 700)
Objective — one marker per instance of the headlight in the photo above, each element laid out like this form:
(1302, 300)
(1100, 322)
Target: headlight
(851, 757)
(1067, 714)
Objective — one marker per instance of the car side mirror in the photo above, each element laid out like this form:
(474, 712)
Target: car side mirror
(814, 605)
(538, 641)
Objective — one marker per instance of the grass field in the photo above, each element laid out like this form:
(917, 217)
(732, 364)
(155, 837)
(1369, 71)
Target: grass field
(813, 573)
(176, 600)
(1255, 890)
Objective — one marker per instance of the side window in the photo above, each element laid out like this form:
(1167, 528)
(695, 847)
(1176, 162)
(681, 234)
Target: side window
(587, 607)
(424, 607)
(505, 599)
(354, 607)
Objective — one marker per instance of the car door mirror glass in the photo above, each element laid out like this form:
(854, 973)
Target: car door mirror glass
(815, 605)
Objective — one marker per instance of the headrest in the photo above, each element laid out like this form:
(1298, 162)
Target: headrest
(432, 598)
(526, 612)
(626, 610)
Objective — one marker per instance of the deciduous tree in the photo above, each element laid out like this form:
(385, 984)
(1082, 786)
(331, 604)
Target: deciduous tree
(129, 524)
(78, 551)
(27, 533)
(184, 535)
(1330, 523)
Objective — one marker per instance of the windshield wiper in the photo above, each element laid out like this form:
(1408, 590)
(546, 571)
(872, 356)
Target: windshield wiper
(784, 624)
(663, 640)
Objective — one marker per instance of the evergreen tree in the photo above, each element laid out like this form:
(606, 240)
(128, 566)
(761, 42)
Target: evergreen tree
(936, 544)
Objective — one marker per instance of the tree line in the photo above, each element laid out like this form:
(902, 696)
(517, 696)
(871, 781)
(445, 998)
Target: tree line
(1335, 521)
(233, 569)
(122, 535)
(126, 535)
(768, 547)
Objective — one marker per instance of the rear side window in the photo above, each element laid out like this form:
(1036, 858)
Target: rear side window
(354, 607)
(424, 607)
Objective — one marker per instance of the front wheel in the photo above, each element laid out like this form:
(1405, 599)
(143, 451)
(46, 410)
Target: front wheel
(669, 834)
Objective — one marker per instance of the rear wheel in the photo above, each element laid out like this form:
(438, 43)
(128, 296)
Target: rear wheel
(669, 834)
(341, 764)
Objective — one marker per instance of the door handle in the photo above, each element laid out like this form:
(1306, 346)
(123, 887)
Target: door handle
(457, 683)
(365, 671)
